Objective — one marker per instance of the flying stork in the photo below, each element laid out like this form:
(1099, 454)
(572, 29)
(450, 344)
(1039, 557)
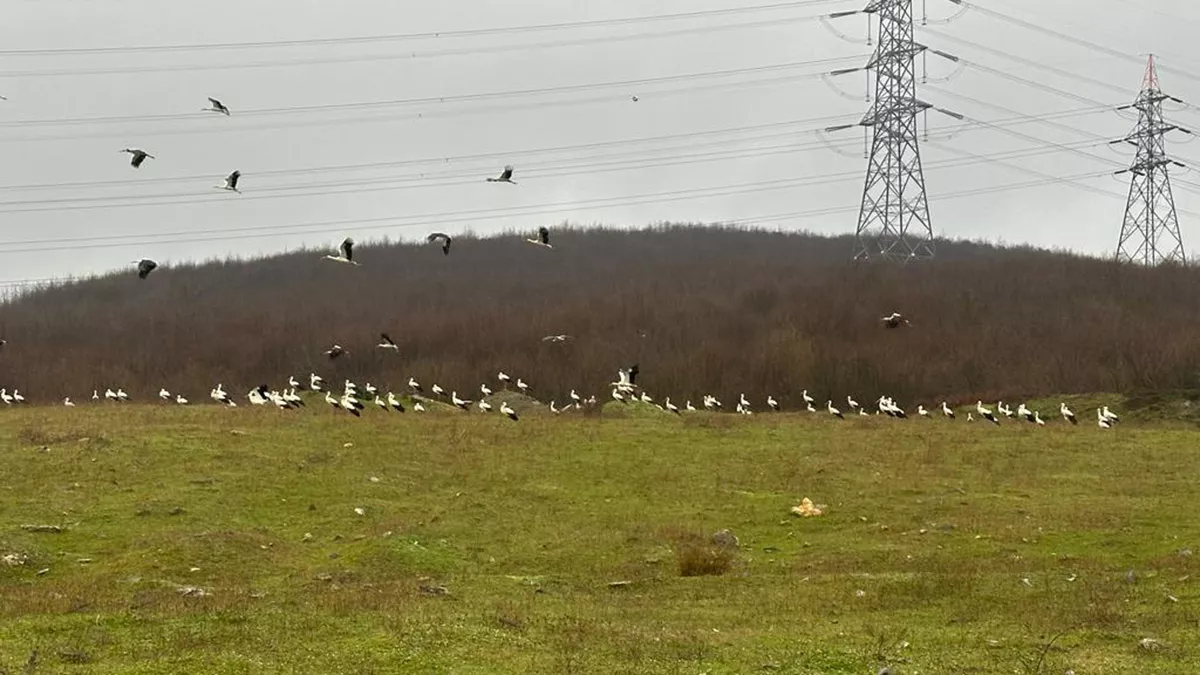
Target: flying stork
(138, 156)
(144, 267)
(894, 320)
(386, 342)
(216, 106)
(442, 237)
(345, 253)
(543, 238)
(231, 182)
(505, 176)
(556, 338)
(334, 352)
(1066, 413)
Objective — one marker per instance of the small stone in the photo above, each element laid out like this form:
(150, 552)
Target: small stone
(177, 511)
(307, 537)
(374, 479)
(725, 539)
(360, 511)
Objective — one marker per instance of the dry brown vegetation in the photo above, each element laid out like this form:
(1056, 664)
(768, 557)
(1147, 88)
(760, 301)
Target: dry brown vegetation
(701, 309)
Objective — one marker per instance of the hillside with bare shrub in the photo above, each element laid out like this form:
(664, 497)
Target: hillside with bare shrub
(700, 309)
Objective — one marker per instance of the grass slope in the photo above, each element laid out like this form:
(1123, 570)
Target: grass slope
(488, 546)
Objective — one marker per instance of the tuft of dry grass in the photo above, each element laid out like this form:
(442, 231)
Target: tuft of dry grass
(699, 556)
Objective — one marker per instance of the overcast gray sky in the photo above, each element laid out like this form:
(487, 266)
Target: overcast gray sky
(745, 143)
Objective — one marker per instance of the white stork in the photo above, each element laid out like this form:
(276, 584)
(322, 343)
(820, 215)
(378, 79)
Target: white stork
(216, 106)
(670, 407)
(922, 412)
(1110, 415)
(852, 403)
(485, 390)
(459, 402)
(543, 238)
(345, 253)
(442, 237)
(394, 402)
(504, 379)
(807, 399)
(689, 407)
(505, 176)
(138, 156)
(772, 403)
(947, 411)
(4, 396)
(414, 385)
(484, 406)
(507, 410)
(144, 267)
(231, 182)
(1066, 413)
(164, 394)
(985, 413)
(1101, 420)
(386, 342)
(314, 381)
(437, 390)
(833, 411)
(575, 398)
(180, 400)
(894, 320)
(68, 402)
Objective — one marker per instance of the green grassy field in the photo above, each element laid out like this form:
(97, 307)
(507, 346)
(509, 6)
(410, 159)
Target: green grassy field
(212, 540)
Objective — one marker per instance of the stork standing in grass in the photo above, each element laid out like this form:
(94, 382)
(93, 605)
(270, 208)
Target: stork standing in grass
(314, 381)
(484, 406)
(437, 390)
(947, 411)
(808, 400)
(1067, 414)
(670, 407)
(68, 403)
(1101, 420)
(852, 403)
(345, 253)
(394, 402)
(414, 385)
(507, 410)
(772, 403)
(986, 414)
(522, 386)
(833, 411)
(461, 403)
(1110, 415)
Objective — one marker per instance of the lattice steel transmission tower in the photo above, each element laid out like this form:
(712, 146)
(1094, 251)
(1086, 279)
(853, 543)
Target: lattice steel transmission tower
(1150, 232)
(893, 220)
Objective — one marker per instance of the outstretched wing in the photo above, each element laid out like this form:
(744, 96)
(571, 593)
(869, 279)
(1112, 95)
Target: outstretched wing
(508, 172)
(145, 267)
(386, 339)
(348, 249)
(444, 238)
(231, 180)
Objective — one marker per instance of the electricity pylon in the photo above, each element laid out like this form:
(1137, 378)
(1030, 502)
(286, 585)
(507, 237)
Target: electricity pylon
(1150, 231)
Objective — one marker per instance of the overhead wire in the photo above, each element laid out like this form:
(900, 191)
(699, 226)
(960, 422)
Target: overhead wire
(404, 37)
(582, 166)
(606, 40)
(456, 217)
